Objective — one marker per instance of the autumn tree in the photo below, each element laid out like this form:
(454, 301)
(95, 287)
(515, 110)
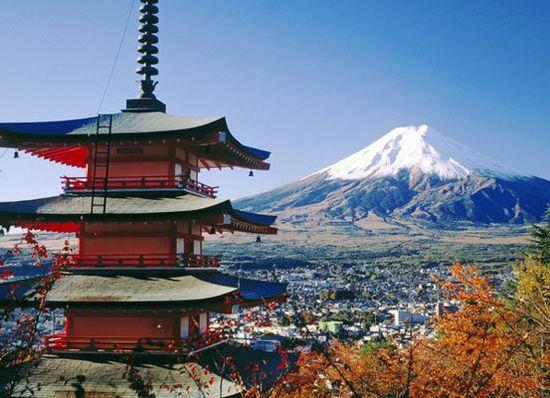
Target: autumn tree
(21, 344)
(532, 297)
(485, 349)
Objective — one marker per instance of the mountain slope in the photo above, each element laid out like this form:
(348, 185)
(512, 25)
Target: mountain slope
(411, 173)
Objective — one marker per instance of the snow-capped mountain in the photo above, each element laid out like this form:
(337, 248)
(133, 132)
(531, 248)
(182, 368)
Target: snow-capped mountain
(421, 150)
(412, 173)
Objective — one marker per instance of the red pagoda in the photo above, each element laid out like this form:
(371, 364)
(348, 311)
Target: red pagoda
(141, 281)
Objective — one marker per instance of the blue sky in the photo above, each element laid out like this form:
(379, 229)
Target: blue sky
(312, 81)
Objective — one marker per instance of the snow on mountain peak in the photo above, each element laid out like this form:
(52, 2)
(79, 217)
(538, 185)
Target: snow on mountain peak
(418, 150)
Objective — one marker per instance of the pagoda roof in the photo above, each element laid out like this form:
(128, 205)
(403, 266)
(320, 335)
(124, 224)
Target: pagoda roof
(66, 375)
(106, 374)
(152, 288)
(115, 288)
(224, 149)
(133, 124)
(68, 207)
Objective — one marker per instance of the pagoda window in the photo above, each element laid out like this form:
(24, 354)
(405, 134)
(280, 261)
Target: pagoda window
(184, 327)
(178, 169)
(197, 247)
(203, 322)
(183, 170)
(180, 247)
(179, 175)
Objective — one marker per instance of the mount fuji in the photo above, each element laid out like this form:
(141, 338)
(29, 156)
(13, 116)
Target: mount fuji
(411, 173)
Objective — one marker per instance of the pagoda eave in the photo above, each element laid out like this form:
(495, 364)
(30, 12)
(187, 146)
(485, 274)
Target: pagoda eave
(212, 155)
(67, 142)
(149, 289)
(70, 209)
(240, 226)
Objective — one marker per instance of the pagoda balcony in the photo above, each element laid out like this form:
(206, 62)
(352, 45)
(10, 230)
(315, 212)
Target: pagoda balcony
(116, 344)
(195, 261)
(76, 184)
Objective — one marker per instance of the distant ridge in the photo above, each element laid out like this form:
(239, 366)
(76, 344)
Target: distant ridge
(412, 173)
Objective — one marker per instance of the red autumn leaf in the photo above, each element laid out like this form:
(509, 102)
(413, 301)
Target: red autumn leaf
(6, 274)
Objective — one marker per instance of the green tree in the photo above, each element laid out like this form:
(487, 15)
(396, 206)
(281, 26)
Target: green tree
(284, 321)
(371, 347)
(540, 238)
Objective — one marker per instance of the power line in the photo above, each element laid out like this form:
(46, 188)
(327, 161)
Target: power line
(116, 56)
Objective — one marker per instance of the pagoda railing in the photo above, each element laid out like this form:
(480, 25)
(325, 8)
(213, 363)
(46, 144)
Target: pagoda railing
(62, 342)
(147, 260)
(71, 184)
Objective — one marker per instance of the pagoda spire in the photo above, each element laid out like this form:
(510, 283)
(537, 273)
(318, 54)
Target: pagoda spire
(148, 49)
(147, 102)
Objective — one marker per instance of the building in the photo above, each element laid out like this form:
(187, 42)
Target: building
(334, 327)
(401, 317)
(140, 281)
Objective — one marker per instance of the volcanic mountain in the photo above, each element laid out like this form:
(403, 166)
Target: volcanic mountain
(412, 173)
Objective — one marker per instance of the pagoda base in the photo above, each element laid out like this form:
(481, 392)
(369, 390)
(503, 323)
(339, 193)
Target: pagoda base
(144, 105)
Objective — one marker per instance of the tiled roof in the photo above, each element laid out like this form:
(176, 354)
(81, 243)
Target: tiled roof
(80, 204)
(123, 123)
(150, 287)
(76, 288)
(126, 125)
(72, 207)
(57, 376)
